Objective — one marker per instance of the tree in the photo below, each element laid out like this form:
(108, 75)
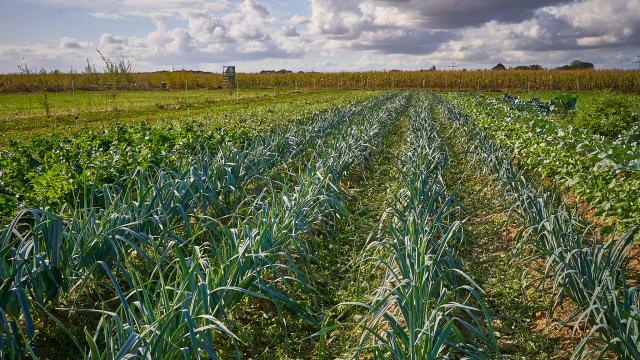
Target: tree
(578, 65)
(499, 67)
(528, 67)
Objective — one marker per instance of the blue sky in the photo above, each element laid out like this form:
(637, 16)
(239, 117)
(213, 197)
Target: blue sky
(326, 35)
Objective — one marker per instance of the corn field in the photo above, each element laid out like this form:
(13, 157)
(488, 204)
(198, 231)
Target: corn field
(511, 80)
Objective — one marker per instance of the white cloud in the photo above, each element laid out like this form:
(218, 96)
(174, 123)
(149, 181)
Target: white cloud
(290, 31)
(41, 56)
(107, 16)
(355, 34)
(297, 20)
(479, 32)
(248, 32)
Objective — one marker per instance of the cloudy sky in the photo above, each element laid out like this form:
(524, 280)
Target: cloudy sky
(322, 35)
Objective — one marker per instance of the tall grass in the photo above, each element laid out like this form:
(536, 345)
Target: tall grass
(591, 274)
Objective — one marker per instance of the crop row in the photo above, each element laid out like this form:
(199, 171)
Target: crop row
(426, 306)
(591, 274)
(156, 266)
(603, 172)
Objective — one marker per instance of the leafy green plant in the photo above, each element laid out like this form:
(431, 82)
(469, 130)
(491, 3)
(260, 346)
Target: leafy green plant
(93, 158)
(600, 171)
(564, 104)
(608, 115)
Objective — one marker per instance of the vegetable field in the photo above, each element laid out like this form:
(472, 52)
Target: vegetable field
(328, 225)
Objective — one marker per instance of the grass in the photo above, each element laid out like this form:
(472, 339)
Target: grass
(26, 105)
(159, 108)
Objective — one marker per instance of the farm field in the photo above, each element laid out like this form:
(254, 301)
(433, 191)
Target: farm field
(22, 116)
(53, 170)
(64, 103)
(322, 225)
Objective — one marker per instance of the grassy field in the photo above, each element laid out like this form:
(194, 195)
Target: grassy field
(21, 117)
(23, 105)
(322, 225)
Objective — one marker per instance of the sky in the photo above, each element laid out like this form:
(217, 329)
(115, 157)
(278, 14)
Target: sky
(317, 35)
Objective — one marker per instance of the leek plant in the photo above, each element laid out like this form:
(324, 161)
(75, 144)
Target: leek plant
(590, 273)
(181, 247)
(426, 307)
